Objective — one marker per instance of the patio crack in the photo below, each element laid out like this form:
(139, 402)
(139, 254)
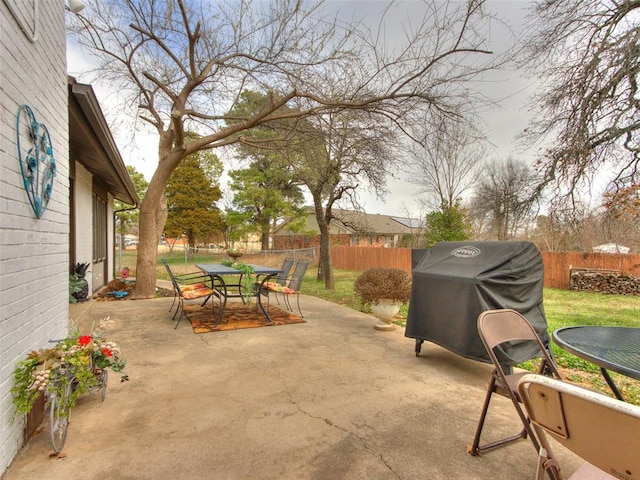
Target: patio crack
(328, 422)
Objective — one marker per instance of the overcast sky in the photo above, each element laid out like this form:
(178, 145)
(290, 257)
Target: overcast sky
(508, 89)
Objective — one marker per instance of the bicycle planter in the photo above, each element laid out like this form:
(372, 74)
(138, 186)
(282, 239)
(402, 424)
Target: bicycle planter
(61, 402)
(76, 365)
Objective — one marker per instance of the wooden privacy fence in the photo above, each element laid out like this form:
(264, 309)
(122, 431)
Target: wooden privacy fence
(361, 258)
(556, 264)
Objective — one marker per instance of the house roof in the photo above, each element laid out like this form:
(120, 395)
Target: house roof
(611, 248)
(91, 143)
(352, 222)
(413, 223)
(366, 223)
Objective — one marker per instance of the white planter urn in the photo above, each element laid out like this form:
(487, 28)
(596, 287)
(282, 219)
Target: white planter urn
(384, 311)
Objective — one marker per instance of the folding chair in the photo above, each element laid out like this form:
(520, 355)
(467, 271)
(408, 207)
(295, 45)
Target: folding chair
(292, 287)
(602, 430)
(496, 328)
(190, 286)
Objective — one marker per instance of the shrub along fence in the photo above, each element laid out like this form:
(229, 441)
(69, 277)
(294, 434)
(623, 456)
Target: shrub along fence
(557, 265)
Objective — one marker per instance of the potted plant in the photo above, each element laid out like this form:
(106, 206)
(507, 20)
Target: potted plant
(78, 285)
(235, 254)
(384, 289)
(246, 287)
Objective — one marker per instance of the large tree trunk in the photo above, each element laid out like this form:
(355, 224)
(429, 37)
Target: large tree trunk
(264, 241)
(325, 260)
(326, 269)
(153, 215)
(265, 230)
(147, 249)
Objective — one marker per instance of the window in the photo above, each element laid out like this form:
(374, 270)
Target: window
(99, 229)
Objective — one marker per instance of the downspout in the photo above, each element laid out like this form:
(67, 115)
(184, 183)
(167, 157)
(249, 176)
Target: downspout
(115, 212)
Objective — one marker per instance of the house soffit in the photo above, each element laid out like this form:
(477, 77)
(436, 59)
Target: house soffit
(91, 143)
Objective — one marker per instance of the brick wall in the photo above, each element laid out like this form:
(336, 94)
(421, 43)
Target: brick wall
(34, 253)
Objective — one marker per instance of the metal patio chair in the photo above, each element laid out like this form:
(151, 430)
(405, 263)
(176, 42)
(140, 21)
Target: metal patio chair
(280, 280)
(190, 286)
(291, 286)
(496, 328)
(602, 430)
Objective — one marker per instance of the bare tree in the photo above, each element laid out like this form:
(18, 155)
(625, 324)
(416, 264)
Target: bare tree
(416, 222)
(446, 161)
(560, 229)
(183, 65)
(504, 196)
(621, 215)
(589, 232)
(334, 157)
(587, 53)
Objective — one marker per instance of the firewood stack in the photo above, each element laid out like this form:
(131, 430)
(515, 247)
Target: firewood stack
(603, 281)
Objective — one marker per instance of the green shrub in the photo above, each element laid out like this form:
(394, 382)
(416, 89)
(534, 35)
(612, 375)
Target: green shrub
(377, 283)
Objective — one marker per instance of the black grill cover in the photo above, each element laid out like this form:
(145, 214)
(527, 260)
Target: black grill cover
(455, 281)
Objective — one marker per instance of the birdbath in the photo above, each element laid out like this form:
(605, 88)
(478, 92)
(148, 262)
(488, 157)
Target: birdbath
(235, 255)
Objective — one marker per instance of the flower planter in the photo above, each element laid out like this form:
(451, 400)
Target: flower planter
(384, 289)
(235, 255)
(384, 311)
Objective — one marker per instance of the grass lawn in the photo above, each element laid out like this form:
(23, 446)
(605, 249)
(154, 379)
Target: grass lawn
(562, 307)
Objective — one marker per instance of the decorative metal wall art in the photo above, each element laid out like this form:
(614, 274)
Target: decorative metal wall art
(37, 164)
(18, 10)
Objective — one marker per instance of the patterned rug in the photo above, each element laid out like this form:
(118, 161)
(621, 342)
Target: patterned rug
(236, 316)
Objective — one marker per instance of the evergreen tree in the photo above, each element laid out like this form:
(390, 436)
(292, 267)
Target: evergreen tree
(266, 190)
(126, 215)
(450, 224)
(191, 200)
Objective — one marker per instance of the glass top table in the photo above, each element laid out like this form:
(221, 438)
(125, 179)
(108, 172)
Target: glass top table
(610, 348)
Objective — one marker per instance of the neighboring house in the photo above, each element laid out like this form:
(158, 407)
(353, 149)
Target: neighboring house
(347, 228)
(42, 235)
(611, 248)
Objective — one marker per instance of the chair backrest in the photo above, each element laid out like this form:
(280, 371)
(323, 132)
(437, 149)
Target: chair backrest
(497, 327)
(281, 279)
(298, 275)
(602, 430)
(504, 325)
(171, 276)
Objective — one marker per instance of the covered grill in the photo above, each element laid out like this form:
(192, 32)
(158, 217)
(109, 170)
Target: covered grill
(454, 282)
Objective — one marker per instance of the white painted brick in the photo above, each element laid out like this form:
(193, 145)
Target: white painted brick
(34, 254)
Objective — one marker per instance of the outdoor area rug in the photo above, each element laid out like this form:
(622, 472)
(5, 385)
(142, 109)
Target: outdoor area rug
(236, 316)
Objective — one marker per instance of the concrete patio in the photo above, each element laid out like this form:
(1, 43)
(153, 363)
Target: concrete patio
(332, 398)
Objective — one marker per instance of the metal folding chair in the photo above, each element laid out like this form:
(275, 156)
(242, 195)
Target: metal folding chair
(602, 430)
(496, 328)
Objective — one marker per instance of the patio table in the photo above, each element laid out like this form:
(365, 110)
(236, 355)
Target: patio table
(224, 291)
(610, 348)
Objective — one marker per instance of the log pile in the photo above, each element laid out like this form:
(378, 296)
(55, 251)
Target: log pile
(603, 281)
